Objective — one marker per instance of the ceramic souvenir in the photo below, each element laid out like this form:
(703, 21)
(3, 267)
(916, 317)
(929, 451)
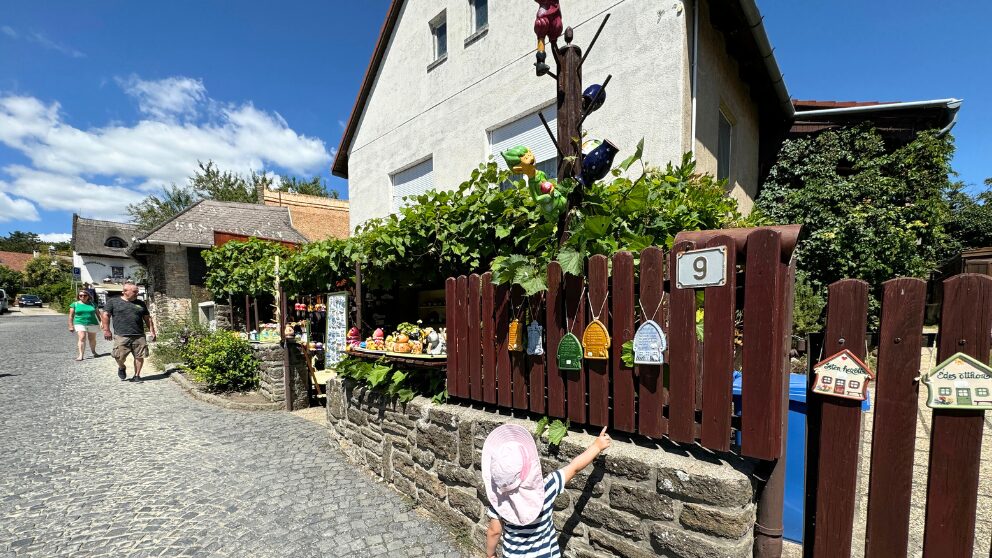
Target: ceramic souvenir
(515, 337)
(842, 375)
(598, 162)
(354, 337)
(960, 382)
(569, 353)
(544, 191)
(650, 344)
(547, 25)
(535, 334)
(593, 98)
(596, 341)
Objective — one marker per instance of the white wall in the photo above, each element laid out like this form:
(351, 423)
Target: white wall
(412, 114)
(93, 269)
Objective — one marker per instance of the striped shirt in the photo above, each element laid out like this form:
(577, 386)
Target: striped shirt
(539, 539)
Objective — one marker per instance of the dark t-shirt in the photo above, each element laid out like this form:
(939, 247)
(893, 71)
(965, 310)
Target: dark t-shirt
(127, 316)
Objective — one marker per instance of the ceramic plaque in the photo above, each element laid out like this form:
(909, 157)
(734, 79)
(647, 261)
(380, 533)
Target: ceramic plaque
(570, 353)
(596, 341)
(535, 334)
(337, 328)
(516, 336)
(650, 344)
(842, 375)
(960, 382)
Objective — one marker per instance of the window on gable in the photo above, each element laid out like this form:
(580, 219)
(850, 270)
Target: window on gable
(414, 181)
(480, 14)
(528, 131)
(439, 35)
(115, 242)
(725, 141)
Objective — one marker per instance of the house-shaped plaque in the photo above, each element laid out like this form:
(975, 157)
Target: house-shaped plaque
(649, 344)
(535, 335)
(960, 382)
(842, 375)
(516, 336)
(569, 353)
(596, 341)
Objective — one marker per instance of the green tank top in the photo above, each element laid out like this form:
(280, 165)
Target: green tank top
(84, 314)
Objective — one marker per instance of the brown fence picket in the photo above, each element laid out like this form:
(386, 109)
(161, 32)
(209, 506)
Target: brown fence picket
(840, 430)
(651, 379)
(682, 355)
(719, 319)
(575, 315)
(518, 358)
(894, 430)
(761, 421)
(488, 339)
(536, 363)
(956, 435)
(504, 393)
(555, 324)
(598, 371)
(451, 323)
(622, 377)
(474, 350)
(461, 337)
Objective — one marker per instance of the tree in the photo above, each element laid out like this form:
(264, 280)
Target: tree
(313, 187)
(10, 280)
(20, 241)
(43, 270)
(971, 216)
(157, 209)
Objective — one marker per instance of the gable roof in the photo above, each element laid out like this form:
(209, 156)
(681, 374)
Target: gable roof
(16, 261)
(89, 236)
(195, 226)
(740, 20)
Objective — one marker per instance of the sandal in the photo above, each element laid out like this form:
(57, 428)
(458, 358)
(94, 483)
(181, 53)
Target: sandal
(79, 359)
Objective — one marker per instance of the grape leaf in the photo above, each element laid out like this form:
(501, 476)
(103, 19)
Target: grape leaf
(557, 432)
(541, 426)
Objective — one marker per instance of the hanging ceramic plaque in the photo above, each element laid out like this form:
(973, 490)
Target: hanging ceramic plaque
(534, 339)
(570, 353)
(596, 341)
(842, 375)
(960, 382)
(650, 344)
(516, 336)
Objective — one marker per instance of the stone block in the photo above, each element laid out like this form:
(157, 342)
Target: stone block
(405, 486)
(592, 481)
(731, 490)
(730, 524)
(568, 522)
(402, 463)
(446, 514)
(602, 540)
(358, 416)
(465, 446)
(401, 419)
(627, 468)
(423, 458)
(398, 442)
(442, 418)
(466, 501)
(452, 474)
(646, 503)
(372, 434)
(441, 442)
(429, 482)
(394, 428)
(374, 462)
(670, 540)
(563, 501)
(617, 521)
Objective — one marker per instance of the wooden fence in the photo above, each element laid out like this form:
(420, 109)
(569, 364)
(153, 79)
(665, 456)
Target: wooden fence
(747, 323)
(834, 425)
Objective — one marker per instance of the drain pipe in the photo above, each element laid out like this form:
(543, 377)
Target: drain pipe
(695, 74)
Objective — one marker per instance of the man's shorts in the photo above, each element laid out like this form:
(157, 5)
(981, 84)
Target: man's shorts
(129, 345)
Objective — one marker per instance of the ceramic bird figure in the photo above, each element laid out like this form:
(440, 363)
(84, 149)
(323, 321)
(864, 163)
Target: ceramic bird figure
(541, 188)
(548, 26)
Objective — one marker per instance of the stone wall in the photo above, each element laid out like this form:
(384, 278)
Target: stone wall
(633, 501)
(271, 382)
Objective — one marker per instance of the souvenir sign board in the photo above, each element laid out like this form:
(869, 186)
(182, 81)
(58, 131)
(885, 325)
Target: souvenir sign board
(842, 375)
(960, 382)
(596, 341)
(516, 336)
(570, 353)
(534, 338)
(702, 268)
(650, 344)
(337, 328)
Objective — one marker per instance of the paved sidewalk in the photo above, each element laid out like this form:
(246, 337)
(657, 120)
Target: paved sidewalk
(92, 466)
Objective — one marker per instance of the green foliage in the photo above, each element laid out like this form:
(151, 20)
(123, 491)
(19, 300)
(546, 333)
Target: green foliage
(221, 361)
(556, 430)
(627, 354)
(44, 270)
(20, 241)
(239, 268)
(159, 208)
(541, 426)
(58, 295)
(312, 187)
(10, 280)
(401, 385)
(173, 335)
(868, 213)
(320, 267)
(971, 216)
(809, 305)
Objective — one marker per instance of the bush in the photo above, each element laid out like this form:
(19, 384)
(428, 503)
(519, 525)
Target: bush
(221, 361)
(58, 295)
(173, 335)
(402, 385)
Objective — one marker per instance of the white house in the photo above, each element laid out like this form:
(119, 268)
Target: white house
(99, 251)
(452, 82)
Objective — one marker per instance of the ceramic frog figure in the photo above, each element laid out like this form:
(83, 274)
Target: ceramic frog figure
(542, 189)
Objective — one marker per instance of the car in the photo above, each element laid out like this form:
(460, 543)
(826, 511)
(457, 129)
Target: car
(4, 302)
(29, 300)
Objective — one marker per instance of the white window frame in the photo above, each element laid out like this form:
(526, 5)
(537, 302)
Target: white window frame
(439, 21)
(725, 115)
(474, 17)
(396, 201)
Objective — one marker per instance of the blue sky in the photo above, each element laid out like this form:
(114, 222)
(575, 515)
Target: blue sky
(102, 103)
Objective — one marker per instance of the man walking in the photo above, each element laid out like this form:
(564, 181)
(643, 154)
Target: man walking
(130, 317)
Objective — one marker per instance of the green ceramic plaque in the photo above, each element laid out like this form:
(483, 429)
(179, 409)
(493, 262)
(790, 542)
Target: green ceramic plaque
(569, 353)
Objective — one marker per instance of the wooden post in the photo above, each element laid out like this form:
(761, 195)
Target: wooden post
(651, 419)
(555, 324)
(718, 353)
(622, 377)
(569, 116)
(682, 355)
(360, 300)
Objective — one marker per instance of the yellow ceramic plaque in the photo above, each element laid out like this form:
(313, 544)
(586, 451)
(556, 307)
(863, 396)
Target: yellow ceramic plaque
(516, 336)
(596, 341)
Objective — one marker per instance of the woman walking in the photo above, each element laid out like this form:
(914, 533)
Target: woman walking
(84, 321)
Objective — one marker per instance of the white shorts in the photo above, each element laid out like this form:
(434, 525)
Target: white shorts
(87, 328)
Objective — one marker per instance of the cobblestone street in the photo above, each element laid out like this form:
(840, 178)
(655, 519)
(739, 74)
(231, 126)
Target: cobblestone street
(92, 466)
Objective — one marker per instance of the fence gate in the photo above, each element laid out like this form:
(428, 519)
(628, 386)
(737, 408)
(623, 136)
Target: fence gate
(834, 425)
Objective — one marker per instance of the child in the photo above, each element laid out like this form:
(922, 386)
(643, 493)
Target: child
(521, 498)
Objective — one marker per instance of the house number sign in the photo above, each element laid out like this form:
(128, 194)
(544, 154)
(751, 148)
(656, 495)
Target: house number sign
(960, 382)
(842, 375)
(702, 268)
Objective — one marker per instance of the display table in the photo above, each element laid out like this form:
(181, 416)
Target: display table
(424, 361)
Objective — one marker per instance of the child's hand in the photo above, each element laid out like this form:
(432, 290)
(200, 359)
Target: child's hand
(603, 441)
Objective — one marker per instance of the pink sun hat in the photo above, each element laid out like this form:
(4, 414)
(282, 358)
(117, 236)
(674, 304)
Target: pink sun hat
(511, 471)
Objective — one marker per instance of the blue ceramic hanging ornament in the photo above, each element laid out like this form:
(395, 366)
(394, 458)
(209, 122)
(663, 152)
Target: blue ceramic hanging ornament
(544, 190)
(650, 344)
(598, 162)
(593, 98)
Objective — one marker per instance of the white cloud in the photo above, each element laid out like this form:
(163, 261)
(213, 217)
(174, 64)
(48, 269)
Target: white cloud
(7, 30)
(55, 237)
(44, 41)
(167, 98)
(15, 209)
(57, 192)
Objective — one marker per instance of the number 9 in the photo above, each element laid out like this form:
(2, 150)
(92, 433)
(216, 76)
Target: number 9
(699, 265)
